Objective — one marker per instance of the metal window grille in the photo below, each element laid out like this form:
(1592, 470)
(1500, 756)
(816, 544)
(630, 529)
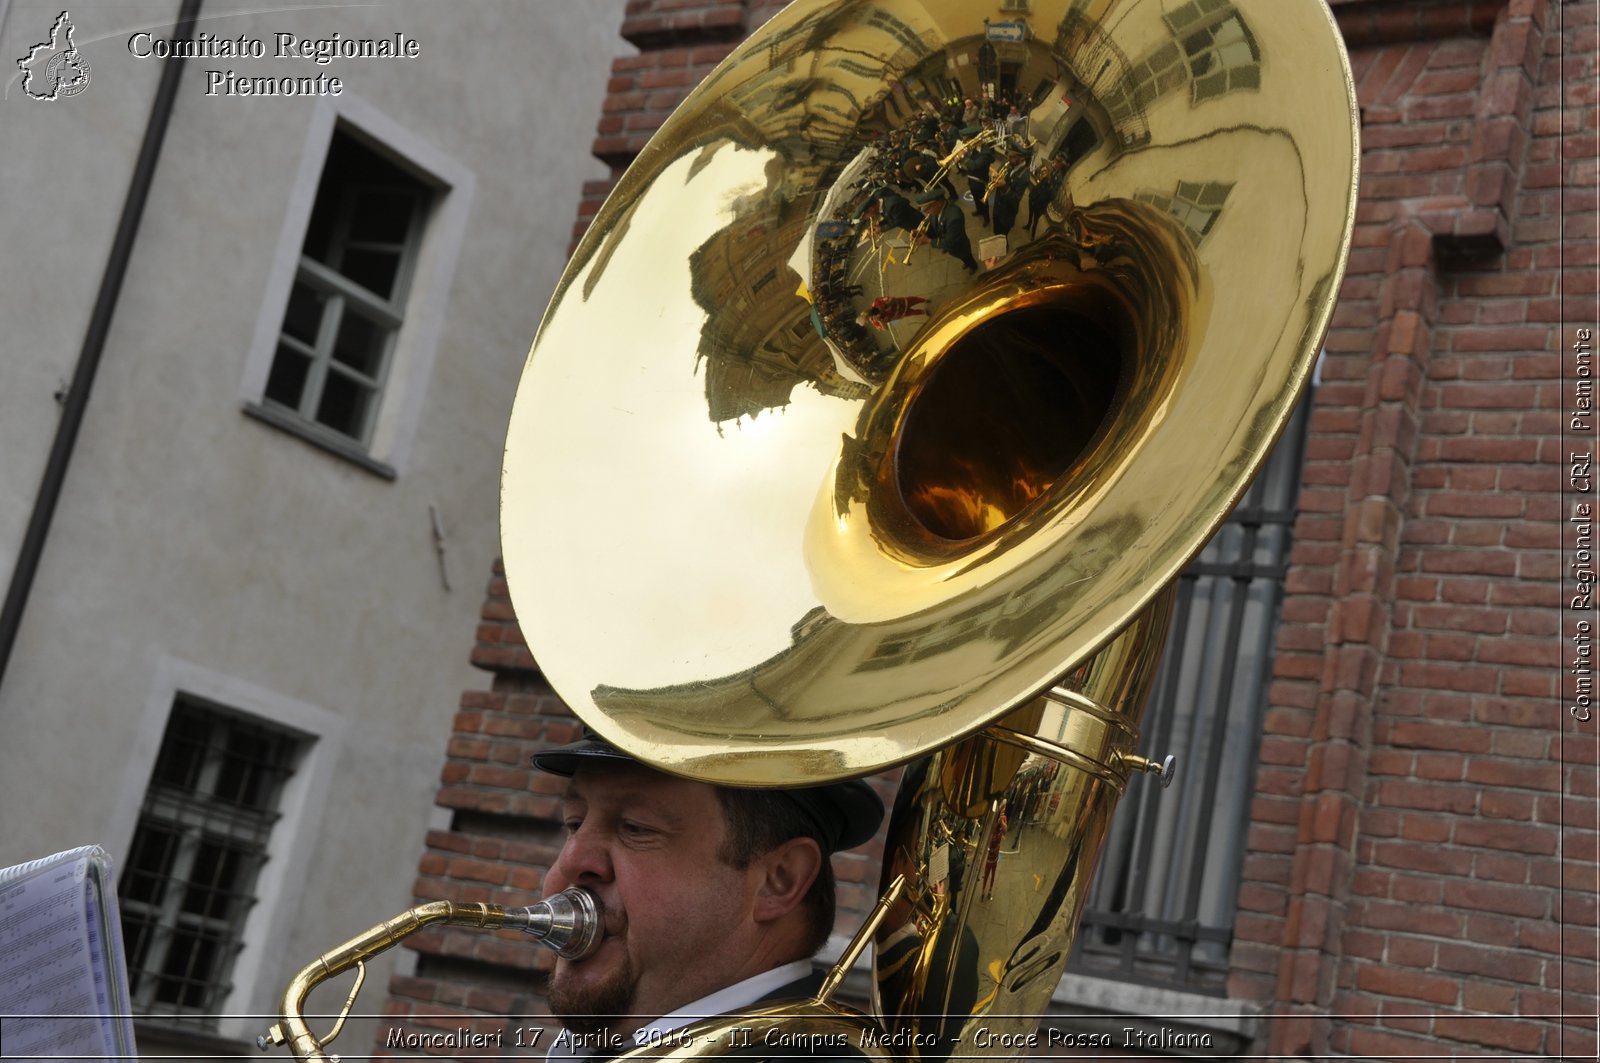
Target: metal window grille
(348, 298)
(1162, 908)
(199, 845)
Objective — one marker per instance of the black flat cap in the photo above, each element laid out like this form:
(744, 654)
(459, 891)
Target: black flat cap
(846, 814)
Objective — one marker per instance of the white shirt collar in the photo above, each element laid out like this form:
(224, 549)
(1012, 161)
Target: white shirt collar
(736, 997)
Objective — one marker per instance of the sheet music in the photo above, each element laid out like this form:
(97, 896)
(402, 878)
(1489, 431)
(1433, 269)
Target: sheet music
(105, 942)
(58, 993)
(105, 1007)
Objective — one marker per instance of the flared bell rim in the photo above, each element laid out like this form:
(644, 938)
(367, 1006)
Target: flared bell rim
(837, 659)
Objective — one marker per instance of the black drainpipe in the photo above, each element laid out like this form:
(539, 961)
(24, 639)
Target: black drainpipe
(76, 399)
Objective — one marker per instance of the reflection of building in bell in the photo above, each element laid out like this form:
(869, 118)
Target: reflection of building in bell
(1220, 51)
(758, 342)
(1195, 204)
(1211, 52)
(1020, 613)
(1099, 64)
(988, 70)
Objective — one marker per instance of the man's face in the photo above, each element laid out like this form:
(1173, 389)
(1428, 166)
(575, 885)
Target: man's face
(648, 845)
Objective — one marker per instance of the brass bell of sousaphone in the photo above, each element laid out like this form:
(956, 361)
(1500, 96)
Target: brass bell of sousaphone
(914, 356)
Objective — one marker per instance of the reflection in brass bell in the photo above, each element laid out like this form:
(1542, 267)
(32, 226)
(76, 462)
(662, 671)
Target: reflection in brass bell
(881, 391)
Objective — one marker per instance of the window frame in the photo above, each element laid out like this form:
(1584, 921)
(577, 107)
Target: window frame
(193, 815)
(340, 296)
(413, 349)
(303, 804)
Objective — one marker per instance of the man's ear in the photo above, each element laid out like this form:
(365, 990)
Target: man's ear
(787, 874)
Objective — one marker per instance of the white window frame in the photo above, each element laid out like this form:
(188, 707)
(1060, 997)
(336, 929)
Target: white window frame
(341, 297)
(302, 807)
(414, 348)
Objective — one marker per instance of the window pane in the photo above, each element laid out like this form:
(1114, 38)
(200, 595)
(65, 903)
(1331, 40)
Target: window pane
(137, 931)
(286, 384)
(219, 870)
(149, 864)
(353, 168)
(1207, 87)
(374, 270)
(1236, 53)
(383, 215)
(182, 752)
(344, 405)
(360, 344)
(303, 319)
(189, 969)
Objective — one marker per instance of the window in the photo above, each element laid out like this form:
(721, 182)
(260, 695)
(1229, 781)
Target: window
(200, 843)
(348, 298)
(1195, 205)
(354, 301)
(1218, 47)
(1162, 906)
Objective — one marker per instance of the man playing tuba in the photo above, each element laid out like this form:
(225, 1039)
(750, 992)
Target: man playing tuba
(715, 898)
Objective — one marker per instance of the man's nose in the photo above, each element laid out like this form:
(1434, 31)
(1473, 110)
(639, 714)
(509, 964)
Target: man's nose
(585, 858)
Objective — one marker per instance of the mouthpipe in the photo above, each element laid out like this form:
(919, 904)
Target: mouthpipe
(568, 922)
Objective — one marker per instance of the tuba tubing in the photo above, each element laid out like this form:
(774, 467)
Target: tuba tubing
(1001, 832)
(570, 923)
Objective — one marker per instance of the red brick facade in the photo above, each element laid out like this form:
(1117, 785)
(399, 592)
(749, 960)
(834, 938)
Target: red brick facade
(1420, 875)
(1403, 873)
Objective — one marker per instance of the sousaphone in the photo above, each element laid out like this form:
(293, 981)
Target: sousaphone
(913, 358)
(909, 363)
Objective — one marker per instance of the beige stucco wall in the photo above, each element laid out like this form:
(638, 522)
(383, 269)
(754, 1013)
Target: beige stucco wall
(197, 547)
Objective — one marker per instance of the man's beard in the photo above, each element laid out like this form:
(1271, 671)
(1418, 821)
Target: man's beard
(592, 1008)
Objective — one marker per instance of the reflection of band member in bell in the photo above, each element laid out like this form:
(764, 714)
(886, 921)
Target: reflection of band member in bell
(1007, 183)
(896, 210)
(1043, 189)
(949, 228)
(888, 308)
(923, 171)
(971, 157)
(714, 898)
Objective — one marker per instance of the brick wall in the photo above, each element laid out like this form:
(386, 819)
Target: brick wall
(1420, 867)
(1403, 887)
